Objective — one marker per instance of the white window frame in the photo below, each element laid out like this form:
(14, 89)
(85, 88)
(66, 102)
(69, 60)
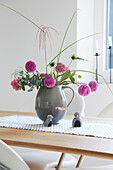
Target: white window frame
(102, 69)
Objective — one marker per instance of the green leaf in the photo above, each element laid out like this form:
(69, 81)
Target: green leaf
(59, 75)
(31, 89)
(22, 74)
(20, 87)
(23, 83)
(73, 73)
(79, 58)
(65, 83)
(72, 79)
(54, 74)
(23, 88)
(51, 74)
(19, 81)
(65, 76)
(42, 82)
(35, 73)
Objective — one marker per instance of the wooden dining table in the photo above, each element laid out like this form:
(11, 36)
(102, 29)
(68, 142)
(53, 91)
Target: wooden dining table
(64, 143)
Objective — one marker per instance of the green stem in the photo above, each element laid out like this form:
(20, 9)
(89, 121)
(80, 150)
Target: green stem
(71, 45)
(65, 35)
(21, 15)
(96, 74)
(45, 52)
(38, 72)
(69, 65)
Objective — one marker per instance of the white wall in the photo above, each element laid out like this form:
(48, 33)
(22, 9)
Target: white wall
(85, 27)
(91, 19)
(17, 41)
(103, 96)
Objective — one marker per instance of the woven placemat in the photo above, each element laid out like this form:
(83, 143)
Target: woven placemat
(89, 128)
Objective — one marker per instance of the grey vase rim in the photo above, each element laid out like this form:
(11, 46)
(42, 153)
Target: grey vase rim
(57, 86)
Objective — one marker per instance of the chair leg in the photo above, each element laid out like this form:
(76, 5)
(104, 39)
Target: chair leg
(60, 161)
(79, 161)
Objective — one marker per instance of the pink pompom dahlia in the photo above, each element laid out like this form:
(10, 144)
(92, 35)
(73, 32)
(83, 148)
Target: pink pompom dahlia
(84, 90)
(93, 85)
(14, 84)
(30, 66)
(60, 67)
(49, 82)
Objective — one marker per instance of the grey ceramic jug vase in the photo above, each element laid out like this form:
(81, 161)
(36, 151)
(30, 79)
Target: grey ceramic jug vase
(52, 101)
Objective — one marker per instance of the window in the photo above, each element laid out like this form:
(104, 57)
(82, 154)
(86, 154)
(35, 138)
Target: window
(109, 27)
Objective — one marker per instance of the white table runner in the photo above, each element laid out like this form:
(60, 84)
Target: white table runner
(89, 128)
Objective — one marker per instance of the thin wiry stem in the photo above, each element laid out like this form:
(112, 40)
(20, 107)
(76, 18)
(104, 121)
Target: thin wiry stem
(69, 64)
(21, 15)
(45, 52)
(66, 34)
(77, 83)
(72, 45)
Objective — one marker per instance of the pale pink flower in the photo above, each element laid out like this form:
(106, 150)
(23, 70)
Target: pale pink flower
(49, 82)
(44, 34)
(93, 85)
(30, 66)
(84, 90)
(14, 84)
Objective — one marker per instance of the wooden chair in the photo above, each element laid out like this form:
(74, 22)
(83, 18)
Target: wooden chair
(10, 160)
(107, 112)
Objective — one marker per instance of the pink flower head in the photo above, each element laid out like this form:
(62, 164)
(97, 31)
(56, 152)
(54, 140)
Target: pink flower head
(30, 66)
(14, 84)
(61, 67)
(84, 90)
(93, 85)
(44, 74)
(49, 82)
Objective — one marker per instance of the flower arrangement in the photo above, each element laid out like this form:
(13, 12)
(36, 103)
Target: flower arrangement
(32, 78)
(60, 74)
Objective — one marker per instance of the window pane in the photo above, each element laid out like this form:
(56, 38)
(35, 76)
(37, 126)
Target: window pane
(109, 31)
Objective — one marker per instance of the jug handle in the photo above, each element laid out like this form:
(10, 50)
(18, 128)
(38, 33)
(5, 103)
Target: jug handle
(64, 87)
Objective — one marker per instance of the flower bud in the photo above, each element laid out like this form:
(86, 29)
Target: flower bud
(73, 57)
(52, 64)
(79, 76)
